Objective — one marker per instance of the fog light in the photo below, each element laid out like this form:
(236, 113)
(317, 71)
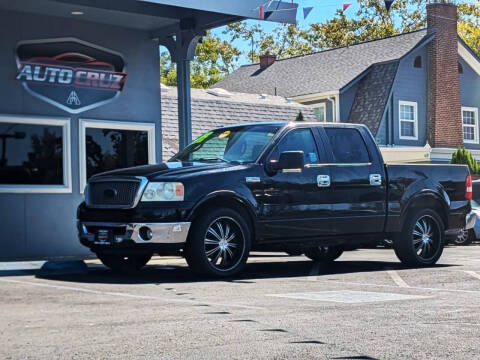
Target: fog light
(145, 233)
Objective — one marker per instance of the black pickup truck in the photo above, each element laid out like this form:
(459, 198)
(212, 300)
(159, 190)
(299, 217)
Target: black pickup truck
(295, 187)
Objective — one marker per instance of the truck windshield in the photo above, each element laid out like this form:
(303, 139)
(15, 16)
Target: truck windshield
(242, 144)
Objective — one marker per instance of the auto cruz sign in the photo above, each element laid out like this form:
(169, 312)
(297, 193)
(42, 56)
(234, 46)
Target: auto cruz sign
(69, 73)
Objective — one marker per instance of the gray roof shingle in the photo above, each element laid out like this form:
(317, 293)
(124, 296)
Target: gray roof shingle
(372, 96)
(320, 72)
(210, 112)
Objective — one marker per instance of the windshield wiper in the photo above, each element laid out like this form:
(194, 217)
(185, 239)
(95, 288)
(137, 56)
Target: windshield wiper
(212, 159)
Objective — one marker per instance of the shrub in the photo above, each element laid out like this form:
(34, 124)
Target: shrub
(299, 117)
(463, 156)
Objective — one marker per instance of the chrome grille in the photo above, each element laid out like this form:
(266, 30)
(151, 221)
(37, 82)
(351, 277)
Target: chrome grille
(115, 193)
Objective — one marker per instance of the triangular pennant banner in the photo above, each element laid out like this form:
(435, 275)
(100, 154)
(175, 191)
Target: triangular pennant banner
(388, 4)
(306, 11)
(346, 6)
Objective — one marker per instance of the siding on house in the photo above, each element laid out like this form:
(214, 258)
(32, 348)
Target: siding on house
(411, 84)
(470, 93)
(329, 107)
(346, 101)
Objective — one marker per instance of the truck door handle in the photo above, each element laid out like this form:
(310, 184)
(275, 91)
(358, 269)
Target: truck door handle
(375, 179)
(323, 180)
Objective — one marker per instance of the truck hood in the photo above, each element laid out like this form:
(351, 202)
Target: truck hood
(175, 170)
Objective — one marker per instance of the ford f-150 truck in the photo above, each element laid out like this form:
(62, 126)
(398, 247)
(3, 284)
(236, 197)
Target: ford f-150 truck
(317, 189)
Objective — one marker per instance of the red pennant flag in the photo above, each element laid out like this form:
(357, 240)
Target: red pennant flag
(260, 12)
(346, 6)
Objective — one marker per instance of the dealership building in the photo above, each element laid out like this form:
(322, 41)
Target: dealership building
(79, 94)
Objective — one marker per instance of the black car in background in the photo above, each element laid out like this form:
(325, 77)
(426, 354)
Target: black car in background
(305, 187)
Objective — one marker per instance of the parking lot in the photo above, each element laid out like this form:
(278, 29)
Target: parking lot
(365, 306)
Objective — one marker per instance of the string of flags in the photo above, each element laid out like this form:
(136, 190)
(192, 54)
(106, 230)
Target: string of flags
(265, 10)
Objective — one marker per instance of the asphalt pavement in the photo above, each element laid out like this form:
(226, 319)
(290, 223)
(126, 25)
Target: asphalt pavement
(364, 306)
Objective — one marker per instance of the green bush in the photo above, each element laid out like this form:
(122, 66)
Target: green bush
(299, 117)
(463, 156)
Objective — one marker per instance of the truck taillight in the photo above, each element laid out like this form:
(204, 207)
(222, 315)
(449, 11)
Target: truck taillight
(468, 188)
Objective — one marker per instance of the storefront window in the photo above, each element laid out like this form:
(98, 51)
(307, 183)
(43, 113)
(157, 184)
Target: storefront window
(108, 145)
(108, 149)
(32, 153)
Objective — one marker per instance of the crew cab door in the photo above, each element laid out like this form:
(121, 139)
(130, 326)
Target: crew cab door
(357, 192)
(292, 203)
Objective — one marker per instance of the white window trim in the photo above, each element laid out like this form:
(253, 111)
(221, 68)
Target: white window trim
(415, 120)
(475, 126)
(322, 106)
(66, 188)
(114, 125)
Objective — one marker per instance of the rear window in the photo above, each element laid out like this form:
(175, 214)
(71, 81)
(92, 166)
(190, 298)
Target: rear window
(347, 146)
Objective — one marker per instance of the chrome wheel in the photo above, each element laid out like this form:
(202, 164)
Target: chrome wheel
(462, 237)
(224, 244)
(426, 237)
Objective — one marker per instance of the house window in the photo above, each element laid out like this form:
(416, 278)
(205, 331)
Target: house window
(110, 145)
(470, 124)
(408, 116)
(34, 155)
(417, 62)
(321, 112)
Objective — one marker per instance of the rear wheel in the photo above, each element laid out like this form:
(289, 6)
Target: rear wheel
(219, 243)
(126, 264)
(324, 254)
(465, 237)
(420, 243)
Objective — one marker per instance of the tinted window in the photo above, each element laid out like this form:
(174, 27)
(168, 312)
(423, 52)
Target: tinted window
(237, 144)
(109, 149)
(31, 154)
(347, 145)
(298, 140)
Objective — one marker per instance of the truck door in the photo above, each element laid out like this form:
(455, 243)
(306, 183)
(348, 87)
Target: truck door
(357, 193)
(292, 202)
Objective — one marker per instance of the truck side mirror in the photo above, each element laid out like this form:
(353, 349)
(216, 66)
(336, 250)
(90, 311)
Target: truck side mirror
(289, 160)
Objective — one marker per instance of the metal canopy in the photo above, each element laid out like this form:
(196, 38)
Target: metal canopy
(177, 24)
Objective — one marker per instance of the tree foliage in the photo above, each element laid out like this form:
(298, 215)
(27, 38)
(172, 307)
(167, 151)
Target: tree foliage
(216, 58)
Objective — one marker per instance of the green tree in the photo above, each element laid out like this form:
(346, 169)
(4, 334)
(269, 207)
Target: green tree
(463, 156)
(214, 58)
(469, 25)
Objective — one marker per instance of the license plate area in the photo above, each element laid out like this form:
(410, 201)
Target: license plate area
(103, 237)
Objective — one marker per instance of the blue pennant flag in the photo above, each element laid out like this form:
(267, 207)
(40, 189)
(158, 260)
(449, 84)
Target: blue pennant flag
(306, 11)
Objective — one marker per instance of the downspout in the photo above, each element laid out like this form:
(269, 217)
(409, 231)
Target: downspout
(334, 108)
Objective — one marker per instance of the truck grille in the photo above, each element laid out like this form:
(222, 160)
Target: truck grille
(113, 193)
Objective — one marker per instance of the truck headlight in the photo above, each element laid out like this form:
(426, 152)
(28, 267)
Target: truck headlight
(164, 191)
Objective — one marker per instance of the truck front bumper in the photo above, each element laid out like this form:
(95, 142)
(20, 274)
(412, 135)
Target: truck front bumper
(104, 233)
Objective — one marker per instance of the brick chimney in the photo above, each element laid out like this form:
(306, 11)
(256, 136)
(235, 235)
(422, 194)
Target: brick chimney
(266, 60)
(444, 107)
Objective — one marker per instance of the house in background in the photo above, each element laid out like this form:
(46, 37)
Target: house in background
(419, 92)
(217, 107)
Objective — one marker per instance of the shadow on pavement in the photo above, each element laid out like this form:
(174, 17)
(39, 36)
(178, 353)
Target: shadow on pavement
(160, 274)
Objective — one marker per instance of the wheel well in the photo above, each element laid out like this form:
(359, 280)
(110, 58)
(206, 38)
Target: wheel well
(429, 202)
(230, 203)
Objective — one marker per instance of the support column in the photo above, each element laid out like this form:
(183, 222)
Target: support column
(182, 50)
(184, 103)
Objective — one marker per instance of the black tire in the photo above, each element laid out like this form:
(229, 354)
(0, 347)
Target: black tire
(210, 252)
(464, 238)
(124, 264)
(325, 254)
(421, 241)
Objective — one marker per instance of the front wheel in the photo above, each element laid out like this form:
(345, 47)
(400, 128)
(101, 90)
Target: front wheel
(325, 254)
(125, 264)
(421, 241)
(219, 243)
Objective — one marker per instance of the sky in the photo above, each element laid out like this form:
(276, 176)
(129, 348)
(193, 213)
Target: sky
(323, 10)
